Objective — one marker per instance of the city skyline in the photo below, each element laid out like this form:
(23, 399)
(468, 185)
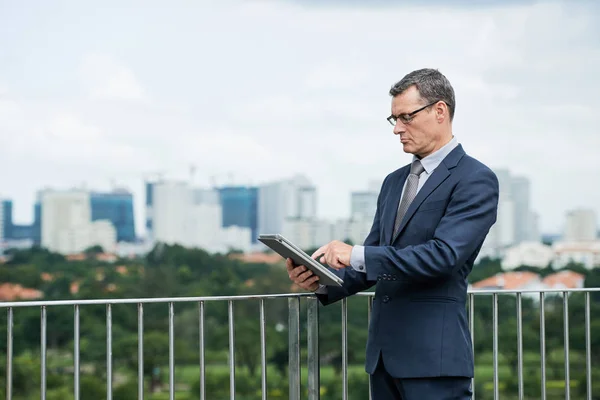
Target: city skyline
(169, 86)
(139, 200)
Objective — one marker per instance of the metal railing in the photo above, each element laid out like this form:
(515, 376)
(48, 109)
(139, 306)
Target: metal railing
(294, 331)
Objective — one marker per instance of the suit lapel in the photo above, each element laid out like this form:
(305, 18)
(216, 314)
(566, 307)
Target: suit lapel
(441, 173)
(394, 200)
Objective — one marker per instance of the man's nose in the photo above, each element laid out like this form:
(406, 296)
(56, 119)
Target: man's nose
(399, 128)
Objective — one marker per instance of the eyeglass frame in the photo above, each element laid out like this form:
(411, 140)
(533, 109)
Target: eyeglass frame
(407, 118)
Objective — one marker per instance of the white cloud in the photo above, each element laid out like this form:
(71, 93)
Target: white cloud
(68, 127)
(333, 75)
(281, 88)
(11, 114)
(107, 79)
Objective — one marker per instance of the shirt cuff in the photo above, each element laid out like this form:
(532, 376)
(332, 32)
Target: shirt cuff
(321, 290)
(357, 259)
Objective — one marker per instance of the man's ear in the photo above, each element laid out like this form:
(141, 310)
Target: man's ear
(442, 113)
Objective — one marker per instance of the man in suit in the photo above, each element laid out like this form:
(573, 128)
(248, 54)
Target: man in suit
(431, 220)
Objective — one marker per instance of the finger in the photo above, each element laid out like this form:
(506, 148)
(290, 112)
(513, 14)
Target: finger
(321, 249)
(304, 276)
(309, 283)
(334, 262)
(289, 265)
(337, 264)
(297, 271)
(330, 258)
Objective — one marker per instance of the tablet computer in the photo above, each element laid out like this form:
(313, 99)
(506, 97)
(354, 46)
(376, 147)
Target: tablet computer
(287, 249)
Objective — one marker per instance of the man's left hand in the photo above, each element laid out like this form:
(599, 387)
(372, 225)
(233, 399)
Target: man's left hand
(336, 254)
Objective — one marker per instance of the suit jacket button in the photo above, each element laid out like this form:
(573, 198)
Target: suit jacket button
(385, 299)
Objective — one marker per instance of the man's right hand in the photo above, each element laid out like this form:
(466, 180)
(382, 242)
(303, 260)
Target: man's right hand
(302, 276)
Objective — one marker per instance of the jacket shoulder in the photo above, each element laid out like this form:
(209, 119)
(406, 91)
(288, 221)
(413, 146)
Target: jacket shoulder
(474, 164)
(472, 167)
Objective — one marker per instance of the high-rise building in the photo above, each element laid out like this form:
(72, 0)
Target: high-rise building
(67, 225)
(307, 233)
(171, 201)
(37, 221)
(581, 226)
(363, 205)
(149, 186)
(117, 207)
(205, 196)
(239, 205)
(516, 222)
(187, 216)
(306, 201)
(526, 220)
(6, 223)
(204, 228)
(294, 198)
(12, 231)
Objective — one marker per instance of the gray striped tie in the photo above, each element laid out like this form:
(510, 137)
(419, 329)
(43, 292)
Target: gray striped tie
(410, 191)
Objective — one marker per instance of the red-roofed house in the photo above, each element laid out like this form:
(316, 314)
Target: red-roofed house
(564, 280)
(12, 292)
(522, 280)
(510, 281)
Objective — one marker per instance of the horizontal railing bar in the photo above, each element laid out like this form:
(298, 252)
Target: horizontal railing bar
(514, 291)
(150, 300)
(253, 297)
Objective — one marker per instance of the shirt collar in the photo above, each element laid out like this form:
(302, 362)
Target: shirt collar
(431, 162)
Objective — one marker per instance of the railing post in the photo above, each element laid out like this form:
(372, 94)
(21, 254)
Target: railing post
(314, 384)
(43, 353)
(566, 329)
(9, 354)
(109, 374)
(345, 348)
(171, 352)
(543, 345)
(294, 347)
(76, 356)
(495, 344)
(263, 350)
(520, 345)
(140, 351)
(588, 348)
(201, 346)
(369, 312)
(472, 331)
(231, 350)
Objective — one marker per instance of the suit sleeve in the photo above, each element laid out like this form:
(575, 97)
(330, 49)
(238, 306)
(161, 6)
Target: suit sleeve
(355, 281)
(471, 212)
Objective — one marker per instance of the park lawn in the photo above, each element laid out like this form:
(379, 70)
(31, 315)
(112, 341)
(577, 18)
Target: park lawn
(188, 375)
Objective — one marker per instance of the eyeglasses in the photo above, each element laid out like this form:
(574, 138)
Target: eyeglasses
(407, 118)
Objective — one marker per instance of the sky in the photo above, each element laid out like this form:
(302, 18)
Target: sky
(97, 94)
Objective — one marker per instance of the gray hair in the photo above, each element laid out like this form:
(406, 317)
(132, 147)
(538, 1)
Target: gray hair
(432, 86)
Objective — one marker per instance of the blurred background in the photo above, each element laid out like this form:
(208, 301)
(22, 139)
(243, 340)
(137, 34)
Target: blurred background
(145, 145)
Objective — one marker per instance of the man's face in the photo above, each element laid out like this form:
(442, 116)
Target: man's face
(420, 136)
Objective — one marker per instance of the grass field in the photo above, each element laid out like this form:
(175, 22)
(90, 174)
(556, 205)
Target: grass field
(187, 376)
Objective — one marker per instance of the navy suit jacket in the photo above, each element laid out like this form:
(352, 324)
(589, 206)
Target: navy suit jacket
(419, 322)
